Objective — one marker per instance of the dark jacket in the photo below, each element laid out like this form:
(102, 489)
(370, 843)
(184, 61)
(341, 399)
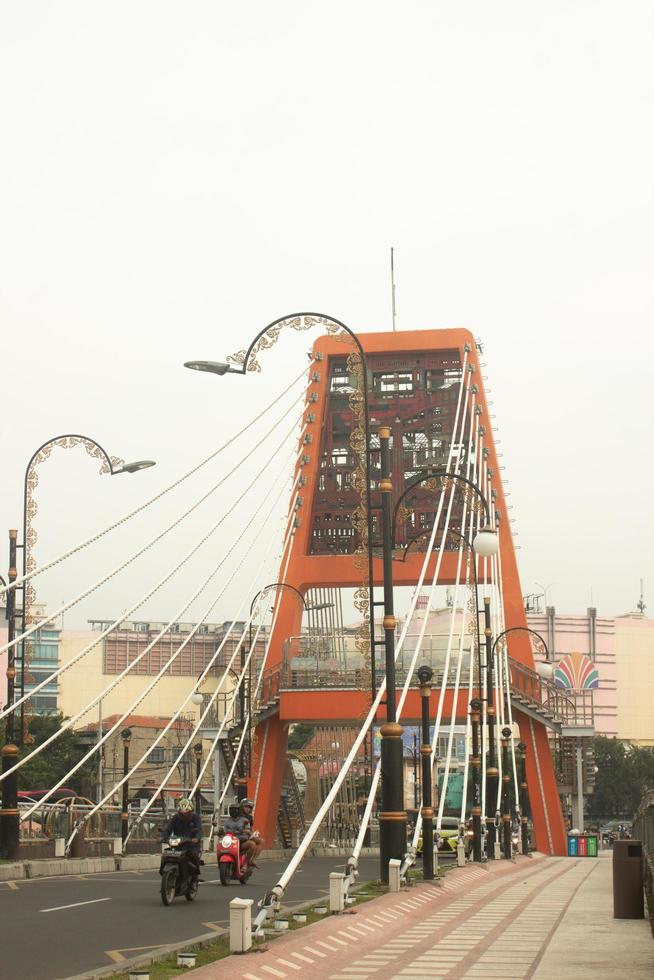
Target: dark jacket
(241, 827)
(180, 827)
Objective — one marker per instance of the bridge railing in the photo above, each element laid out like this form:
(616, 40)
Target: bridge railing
(643, 830)
(570, 708)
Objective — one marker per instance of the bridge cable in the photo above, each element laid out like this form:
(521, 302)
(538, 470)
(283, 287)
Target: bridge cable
(67, 723)
(96, 537)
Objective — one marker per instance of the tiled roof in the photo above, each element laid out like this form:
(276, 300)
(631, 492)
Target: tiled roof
(138, 721)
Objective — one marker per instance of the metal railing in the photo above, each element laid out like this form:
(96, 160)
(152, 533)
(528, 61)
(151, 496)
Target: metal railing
(643, 830)
(570, 708)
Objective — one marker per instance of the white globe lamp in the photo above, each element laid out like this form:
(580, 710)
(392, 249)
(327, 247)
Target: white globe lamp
(486, 543)
(197, 698)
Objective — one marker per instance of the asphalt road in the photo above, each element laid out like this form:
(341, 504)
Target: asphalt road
(53, 928)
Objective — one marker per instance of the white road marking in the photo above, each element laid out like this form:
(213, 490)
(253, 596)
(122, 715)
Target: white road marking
(75, 905)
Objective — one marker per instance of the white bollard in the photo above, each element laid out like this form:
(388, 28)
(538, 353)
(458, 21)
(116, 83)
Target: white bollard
(336, 895)
(461, 855)
(60, 847)
(497, 851)
(117, 845)
(394, 866)
(240, 925)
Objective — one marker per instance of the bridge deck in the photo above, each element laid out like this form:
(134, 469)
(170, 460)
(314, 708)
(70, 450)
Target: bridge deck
(545, 918)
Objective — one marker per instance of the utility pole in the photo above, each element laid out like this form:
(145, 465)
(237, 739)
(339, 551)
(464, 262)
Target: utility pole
(9, 817)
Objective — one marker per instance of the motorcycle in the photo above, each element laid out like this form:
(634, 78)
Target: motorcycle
(179, 873)
(233, 863)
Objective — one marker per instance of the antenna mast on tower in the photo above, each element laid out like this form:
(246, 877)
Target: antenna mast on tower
(393, 286)
(640, 605)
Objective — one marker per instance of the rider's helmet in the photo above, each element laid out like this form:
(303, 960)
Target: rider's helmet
(185, 807)
(246, 803)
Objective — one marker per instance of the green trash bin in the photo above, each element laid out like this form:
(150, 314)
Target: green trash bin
(592, 846)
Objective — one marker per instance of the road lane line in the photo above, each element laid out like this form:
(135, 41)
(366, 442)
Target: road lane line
(58, 908)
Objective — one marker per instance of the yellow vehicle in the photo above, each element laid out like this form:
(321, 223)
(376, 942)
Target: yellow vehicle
(448, 837)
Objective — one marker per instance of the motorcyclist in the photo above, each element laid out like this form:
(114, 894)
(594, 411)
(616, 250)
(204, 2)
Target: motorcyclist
(186, 823)
(242, 827)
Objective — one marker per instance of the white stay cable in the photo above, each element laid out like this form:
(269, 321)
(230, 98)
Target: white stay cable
(439, 509)
(468, 753)
(126, 714)
(450, 739)
(199, 682)
(69, 722)
(446, 667)
(507, 677)
(96, 537)
(119, 568)
(262, 667)
(128, 612)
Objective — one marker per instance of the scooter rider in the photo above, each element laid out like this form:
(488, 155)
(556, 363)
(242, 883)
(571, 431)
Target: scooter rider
(186, 823)
(242, 827)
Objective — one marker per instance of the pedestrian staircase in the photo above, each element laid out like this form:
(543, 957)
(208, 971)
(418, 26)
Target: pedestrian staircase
(291, 824)
(568, 713)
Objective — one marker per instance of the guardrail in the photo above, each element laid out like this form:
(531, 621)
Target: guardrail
(570, 708)
(643, 830)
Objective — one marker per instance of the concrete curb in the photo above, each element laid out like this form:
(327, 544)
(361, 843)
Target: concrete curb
(60, 867)
(206, 939)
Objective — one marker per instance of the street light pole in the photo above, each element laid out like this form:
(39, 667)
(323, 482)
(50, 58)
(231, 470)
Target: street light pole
(425, 675)
(392, 817)
(524, 799)
(475, 765)
(126, 736)
(507, 734)
(9, 816)
(492, 772)
(197, 751)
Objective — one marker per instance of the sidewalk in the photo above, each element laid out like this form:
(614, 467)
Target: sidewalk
(546, 918)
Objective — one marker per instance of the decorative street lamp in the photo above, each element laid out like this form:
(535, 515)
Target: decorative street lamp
(197, 752)
(425, 675)
(393, 814)
(126, 737)
(506, 800)
(475, 765)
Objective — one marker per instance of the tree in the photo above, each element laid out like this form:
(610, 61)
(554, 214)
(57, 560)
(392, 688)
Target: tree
(53, 763)
(299, 736)
(624, 772)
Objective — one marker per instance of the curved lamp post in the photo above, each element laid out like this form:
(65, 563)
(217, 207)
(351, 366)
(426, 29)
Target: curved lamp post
(126, 738)
(392, 817)
(109, 464)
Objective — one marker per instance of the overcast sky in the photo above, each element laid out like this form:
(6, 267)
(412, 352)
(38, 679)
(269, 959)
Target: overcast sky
(174, 176)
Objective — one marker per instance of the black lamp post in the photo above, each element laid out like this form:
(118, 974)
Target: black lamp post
(392, 838)
(425, 675)
(9, 816)
(197, 752)
(126, 737)
(111, 465)
(392, 817)
(492, 772)
(475, 764)
(506, 801)
(524, 799)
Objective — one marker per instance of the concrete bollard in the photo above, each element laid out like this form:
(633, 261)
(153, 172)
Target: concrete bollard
(60, 847)
(394, 866)
(117, 845)
(336, 895)
(497, 851)
(461, 855)
(240, 925)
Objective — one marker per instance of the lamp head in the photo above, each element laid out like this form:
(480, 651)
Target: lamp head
(486, 543)
(139, 464)
(425, 674)
(506, 732)
(197, 750)
(126, 735)
(475, 704)
(522, 747)
(211, 367)
(197, 698)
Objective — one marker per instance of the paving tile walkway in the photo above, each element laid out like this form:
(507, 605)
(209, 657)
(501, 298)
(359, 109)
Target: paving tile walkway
(506, 920)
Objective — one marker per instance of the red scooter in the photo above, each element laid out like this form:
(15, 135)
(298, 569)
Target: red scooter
(232, 862)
